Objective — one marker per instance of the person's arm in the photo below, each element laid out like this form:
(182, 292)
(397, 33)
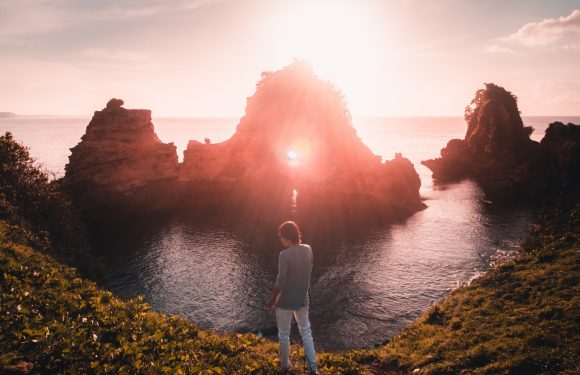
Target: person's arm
(280, 281)
(273, 298)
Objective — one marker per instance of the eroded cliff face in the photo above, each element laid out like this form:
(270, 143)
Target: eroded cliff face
(498, 153)
(295, 155)
(118, 155)
(297, 138)
(562, 145)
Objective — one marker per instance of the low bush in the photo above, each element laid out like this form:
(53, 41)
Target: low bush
(35, 210)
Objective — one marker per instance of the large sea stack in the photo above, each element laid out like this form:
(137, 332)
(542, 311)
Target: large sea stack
(498, 153)
(295, 155)
(297, 142)
(120, 161)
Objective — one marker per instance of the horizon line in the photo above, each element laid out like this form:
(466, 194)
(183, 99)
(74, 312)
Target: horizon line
(12, 115)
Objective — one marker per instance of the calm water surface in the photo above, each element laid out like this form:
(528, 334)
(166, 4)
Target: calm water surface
(363, 291)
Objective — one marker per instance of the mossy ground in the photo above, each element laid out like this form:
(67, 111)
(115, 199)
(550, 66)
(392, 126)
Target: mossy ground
(54, 321)
(522, 317)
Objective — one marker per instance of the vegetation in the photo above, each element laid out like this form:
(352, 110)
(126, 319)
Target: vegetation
(491, 92)
(35, 211)
(509, 102)
(521, 317)
(301, 76)
(53, 321)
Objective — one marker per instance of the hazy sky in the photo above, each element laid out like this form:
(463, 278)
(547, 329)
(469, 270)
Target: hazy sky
(204, 57)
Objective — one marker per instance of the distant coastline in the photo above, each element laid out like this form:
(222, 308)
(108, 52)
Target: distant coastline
(355, 118)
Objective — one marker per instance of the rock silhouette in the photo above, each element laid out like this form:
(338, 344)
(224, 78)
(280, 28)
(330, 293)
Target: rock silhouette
(334, 174)
(562, 145)
(498, 153)
(494, 125)
(294, 155)
(118, 155)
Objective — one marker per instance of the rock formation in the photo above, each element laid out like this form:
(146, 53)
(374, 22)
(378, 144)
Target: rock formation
(118, 156)
(498, 153)
(562, 145)
(295, 154)
(297, 137)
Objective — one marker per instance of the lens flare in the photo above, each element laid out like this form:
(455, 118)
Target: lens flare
(292, 158)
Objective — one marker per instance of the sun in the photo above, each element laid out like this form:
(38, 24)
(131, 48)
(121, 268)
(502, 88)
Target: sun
(339, 39)
(293, 160)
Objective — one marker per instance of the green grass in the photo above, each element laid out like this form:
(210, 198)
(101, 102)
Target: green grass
(53, 321)
(522, 317)
(58, 322)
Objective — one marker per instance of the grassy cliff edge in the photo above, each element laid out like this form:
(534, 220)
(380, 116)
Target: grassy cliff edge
(521, 317)
(54, 321)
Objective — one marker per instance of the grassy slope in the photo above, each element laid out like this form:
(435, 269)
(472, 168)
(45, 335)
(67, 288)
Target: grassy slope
(53, 321)
(522, 317)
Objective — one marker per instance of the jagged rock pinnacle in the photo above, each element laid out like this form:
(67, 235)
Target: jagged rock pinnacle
(115, 103)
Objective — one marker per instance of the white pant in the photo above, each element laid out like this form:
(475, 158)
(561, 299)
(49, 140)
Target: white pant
(284, 321)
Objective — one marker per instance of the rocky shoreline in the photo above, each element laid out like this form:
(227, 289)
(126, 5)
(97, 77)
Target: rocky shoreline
(498, 153)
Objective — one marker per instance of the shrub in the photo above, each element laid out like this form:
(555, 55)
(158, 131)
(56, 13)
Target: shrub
(40, 215)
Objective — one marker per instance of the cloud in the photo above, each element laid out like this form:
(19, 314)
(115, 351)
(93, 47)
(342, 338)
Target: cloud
(574, 46)
(140, 9)
(555, 96)
(24, 18)
(548, 31)
(119, 55)
(28, 17)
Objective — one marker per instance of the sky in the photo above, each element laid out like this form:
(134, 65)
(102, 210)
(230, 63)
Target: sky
(203, 57)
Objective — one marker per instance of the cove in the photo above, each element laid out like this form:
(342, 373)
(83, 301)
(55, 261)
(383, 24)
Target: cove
(364, 289)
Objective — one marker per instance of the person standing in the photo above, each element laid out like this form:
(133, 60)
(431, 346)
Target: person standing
(290, 295)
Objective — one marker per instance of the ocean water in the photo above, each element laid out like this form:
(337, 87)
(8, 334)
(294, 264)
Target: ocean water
(363, 291)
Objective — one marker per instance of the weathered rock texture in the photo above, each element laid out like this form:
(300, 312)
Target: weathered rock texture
(498, 153)
(295, 140)
(338, 180)
(118, 156)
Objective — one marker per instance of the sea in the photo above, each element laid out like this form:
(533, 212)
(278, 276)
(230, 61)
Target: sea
(363, 292)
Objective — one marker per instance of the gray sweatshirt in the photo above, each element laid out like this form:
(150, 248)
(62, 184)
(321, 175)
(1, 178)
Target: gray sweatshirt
(294, 269)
